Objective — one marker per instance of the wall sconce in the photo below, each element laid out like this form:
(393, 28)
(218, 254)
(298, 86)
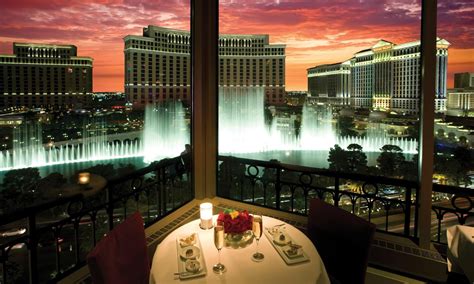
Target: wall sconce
(205, 213)
(84, 178)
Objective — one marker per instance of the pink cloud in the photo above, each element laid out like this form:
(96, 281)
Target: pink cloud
(315, 32)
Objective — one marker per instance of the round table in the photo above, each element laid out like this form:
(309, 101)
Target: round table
(240, 267)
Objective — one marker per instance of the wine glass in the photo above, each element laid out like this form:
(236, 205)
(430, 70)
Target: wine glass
(257, 232)
(219, 242)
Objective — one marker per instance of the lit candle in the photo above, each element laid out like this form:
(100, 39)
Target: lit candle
(205, 213)
(84, 178)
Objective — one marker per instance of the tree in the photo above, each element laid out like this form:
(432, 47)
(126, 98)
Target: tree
(338, 159)
(455, 165)
(462, 163)
(19, 188)
(451, 137)
(21, 180)
(463, 141)
(390, 160)
(51, 186)
(346, 125)
(408, 170)
(356, 159)
(440, 133)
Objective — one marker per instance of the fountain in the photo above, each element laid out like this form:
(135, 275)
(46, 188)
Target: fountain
(165, 132)
(164, 135)
(242, 128)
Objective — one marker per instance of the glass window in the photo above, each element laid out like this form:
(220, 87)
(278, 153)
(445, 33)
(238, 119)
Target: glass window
(99, 75)
(337, 86)
(453, 157)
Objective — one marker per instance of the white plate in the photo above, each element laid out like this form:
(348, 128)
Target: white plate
(279, 249)
(184, 265)
(190, 252)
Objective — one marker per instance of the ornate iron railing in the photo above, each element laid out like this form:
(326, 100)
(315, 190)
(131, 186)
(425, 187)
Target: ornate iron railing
(451, 206)
(389, 203)
(46, 242)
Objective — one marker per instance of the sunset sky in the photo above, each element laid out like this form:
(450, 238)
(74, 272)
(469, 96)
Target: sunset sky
(314, 31)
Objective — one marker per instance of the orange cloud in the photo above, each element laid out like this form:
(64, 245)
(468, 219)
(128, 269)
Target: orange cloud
(314, 31)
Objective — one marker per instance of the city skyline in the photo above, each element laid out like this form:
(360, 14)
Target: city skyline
(97, 29)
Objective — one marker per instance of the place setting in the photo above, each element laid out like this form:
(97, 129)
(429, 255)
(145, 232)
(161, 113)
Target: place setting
(287, 248)
(190, 257)
(225, 245)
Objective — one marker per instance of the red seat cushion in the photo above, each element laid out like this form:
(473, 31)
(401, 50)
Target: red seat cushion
(121, 256)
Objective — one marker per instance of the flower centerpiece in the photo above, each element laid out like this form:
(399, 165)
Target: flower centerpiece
(237, 227)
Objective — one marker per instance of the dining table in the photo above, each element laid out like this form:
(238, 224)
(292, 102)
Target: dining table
(240, 268)
(461, 250)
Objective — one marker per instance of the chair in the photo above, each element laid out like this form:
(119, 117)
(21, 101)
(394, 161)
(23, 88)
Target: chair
(342, 240)
(121, 256)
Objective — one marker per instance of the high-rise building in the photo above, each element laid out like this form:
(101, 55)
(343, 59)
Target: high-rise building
(157, 65)
(384, 77)
(331, 83)
(44, 75)
(463, 80)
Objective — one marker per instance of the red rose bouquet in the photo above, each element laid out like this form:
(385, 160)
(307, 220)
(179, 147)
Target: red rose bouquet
(235, 222)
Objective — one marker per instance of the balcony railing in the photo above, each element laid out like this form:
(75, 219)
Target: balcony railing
(389, 203)
(451, 205)
(46, 242)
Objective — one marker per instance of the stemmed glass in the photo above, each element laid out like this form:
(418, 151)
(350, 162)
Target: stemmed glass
(219, 242)
(257, 232)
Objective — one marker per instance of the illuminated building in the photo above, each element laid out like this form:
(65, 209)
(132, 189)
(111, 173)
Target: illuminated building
(384, 77)
(330, 83)
(157, 65)
(461, 102)
(44, 75)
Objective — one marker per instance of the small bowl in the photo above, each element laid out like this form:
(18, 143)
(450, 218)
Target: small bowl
(281, 238)
(192, 265)
(190, 252)
(292, 252)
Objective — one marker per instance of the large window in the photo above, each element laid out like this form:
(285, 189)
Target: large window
(453, 153)
(326, 85)
(95, 87)
(89, 87)
(453, 135)
(320, 84)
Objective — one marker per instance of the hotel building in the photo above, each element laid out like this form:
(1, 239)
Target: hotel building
(330, 83)
(157, 65)
(44, 75)
(461, 102)
(384, 77)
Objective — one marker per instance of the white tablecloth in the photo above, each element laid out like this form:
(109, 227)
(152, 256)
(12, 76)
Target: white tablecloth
(240, 267)
(461, 250)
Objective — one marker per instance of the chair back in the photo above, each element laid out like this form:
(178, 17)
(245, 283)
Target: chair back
(342, 240)
(121, 256)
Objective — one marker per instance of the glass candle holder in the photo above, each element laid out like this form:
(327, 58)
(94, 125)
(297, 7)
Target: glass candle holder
(84, 178)
(205, 214)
